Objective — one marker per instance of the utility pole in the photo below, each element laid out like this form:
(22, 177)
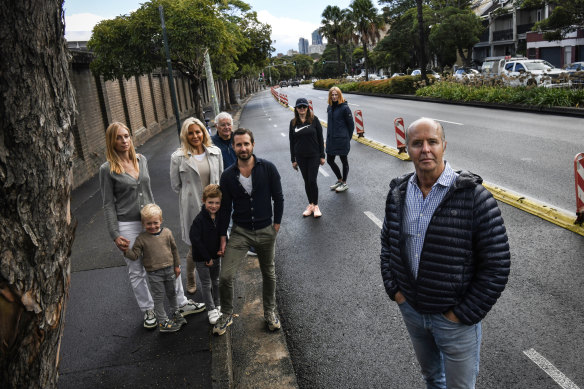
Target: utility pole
(170, 78)
(211, 84)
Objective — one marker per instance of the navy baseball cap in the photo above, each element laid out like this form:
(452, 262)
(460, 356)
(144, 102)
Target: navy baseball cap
(301, 102)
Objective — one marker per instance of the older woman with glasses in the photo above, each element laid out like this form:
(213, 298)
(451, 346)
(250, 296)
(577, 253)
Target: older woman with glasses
(307, 151)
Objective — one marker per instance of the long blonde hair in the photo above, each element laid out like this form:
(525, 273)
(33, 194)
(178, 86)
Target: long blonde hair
(110, 153)
(184, 130)
(341, 98)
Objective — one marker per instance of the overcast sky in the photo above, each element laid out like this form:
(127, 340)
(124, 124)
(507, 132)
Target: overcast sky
(290, 20)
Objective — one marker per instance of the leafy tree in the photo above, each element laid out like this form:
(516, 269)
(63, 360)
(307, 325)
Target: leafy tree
(37, 104)
(567, 16)
(367, 24)
(336, 30)
(132, 45)
(303, 64)
(457, 30)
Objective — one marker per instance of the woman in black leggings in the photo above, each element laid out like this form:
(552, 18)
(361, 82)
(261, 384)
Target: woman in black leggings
(307, 151)
(339, 133)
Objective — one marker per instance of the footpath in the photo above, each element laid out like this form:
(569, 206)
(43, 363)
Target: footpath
(104, 344)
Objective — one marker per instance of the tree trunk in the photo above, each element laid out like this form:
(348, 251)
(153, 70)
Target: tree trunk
(226, 95)
(36, 230)
(340, 72)
(422, 40)
(232, 93)
(195, 86)
(366, 61)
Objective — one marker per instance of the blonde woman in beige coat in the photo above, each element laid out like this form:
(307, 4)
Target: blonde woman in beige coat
(194, 165)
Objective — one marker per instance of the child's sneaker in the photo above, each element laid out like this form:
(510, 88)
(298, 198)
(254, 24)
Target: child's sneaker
(222, 324)
(272, 321)
(213, 316)
(191, 307)
(168, 326)
(149, 319)
(179, 319)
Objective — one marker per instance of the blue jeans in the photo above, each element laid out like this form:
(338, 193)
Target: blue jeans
(448, 352)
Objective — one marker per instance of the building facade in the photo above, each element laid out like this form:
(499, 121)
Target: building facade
(508, 33)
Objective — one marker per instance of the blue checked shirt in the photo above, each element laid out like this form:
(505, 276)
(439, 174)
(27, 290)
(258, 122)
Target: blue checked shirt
(418, 213)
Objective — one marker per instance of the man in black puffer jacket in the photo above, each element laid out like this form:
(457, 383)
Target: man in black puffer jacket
(444, 258)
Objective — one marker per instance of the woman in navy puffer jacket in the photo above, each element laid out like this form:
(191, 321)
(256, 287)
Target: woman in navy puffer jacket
(340, 128)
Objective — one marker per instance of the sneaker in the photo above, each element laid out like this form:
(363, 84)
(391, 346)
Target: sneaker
(149, 319)
(168, 326)
(179, 319)
(336, 185)
(272, 321)
(221, 326)
(308, 211)
(191, 307)
(214, 315)
(317, 212)
(341, 188)
(252, 253)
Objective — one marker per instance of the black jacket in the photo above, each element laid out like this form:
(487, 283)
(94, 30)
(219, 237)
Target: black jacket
(251, 212)
(340, 126)
(306, 139)
(204, 236)
(465, 260)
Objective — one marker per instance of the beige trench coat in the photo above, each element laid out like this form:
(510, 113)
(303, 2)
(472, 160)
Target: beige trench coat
(185, 180)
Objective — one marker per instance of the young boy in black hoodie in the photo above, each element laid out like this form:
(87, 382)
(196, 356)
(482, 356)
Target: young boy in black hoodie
(204, 236)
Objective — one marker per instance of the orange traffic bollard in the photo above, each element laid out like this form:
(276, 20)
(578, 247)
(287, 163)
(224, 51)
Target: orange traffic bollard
(400, 135)
(359, 123)
(579, 176)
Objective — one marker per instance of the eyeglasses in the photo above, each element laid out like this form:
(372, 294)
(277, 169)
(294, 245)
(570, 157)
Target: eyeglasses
(301, 107)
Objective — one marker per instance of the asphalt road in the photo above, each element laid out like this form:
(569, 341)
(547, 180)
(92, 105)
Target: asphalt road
(343, 331)
(530, 153)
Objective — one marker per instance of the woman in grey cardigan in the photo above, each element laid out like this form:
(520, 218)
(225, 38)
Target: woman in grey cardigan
(125, 189)
(196, 164)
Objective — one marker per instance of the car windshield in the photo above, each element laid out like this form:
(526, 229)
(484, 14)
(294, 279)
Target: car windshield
(543, 65)
(576, 66)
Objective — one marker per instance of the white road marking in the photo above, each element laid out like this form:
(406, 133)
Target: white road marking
(374, 219)
(322, 171)
(282, 134)
(355, 105)
(275, 125)
(446, 121)
(550, 369)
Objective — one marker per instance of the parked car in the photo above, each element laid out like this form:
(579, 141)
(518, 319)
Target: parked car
(537, 72)
(283, 84)
(294, 83)
(397, 75)
(576, 72)
(418, 72)
(465, 73)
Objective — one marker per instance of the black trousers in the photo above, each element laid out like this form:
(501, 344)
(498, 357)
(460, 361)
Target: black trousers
(331, 161)
(309, 169)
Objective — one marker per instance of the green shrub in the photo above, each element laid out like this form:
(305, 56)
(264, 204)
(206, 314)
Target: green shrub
(326, 84)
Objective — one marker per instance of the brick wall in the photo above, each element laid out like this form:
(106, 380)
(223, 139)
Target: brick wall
(142, 103)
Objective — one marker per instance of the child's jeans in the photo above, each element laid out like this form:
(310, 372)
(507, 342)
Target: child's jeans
(161, 283)
(210, 279)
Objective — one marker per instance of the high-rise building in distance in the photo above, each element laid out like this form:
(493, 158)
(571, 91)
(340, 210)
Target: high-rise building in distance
(303, 46)
(316, 38)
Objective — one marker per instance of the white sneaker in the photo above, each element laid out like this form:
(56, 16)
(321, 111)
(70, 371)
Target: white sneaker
(341, 188)
(149, 319)
(191, 307)
(214, 315)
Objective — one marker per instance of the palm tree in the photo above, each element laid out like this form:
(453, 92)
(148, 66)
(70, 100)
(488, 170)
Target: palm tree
(334, 28)
(367, 25)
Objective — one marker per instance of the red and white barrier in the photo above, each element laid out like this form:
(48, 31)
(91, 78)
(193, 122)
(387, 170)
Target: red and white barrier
(400, 134)
(310, 105)
(579, 176)
(284, 99)
(359, 123)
